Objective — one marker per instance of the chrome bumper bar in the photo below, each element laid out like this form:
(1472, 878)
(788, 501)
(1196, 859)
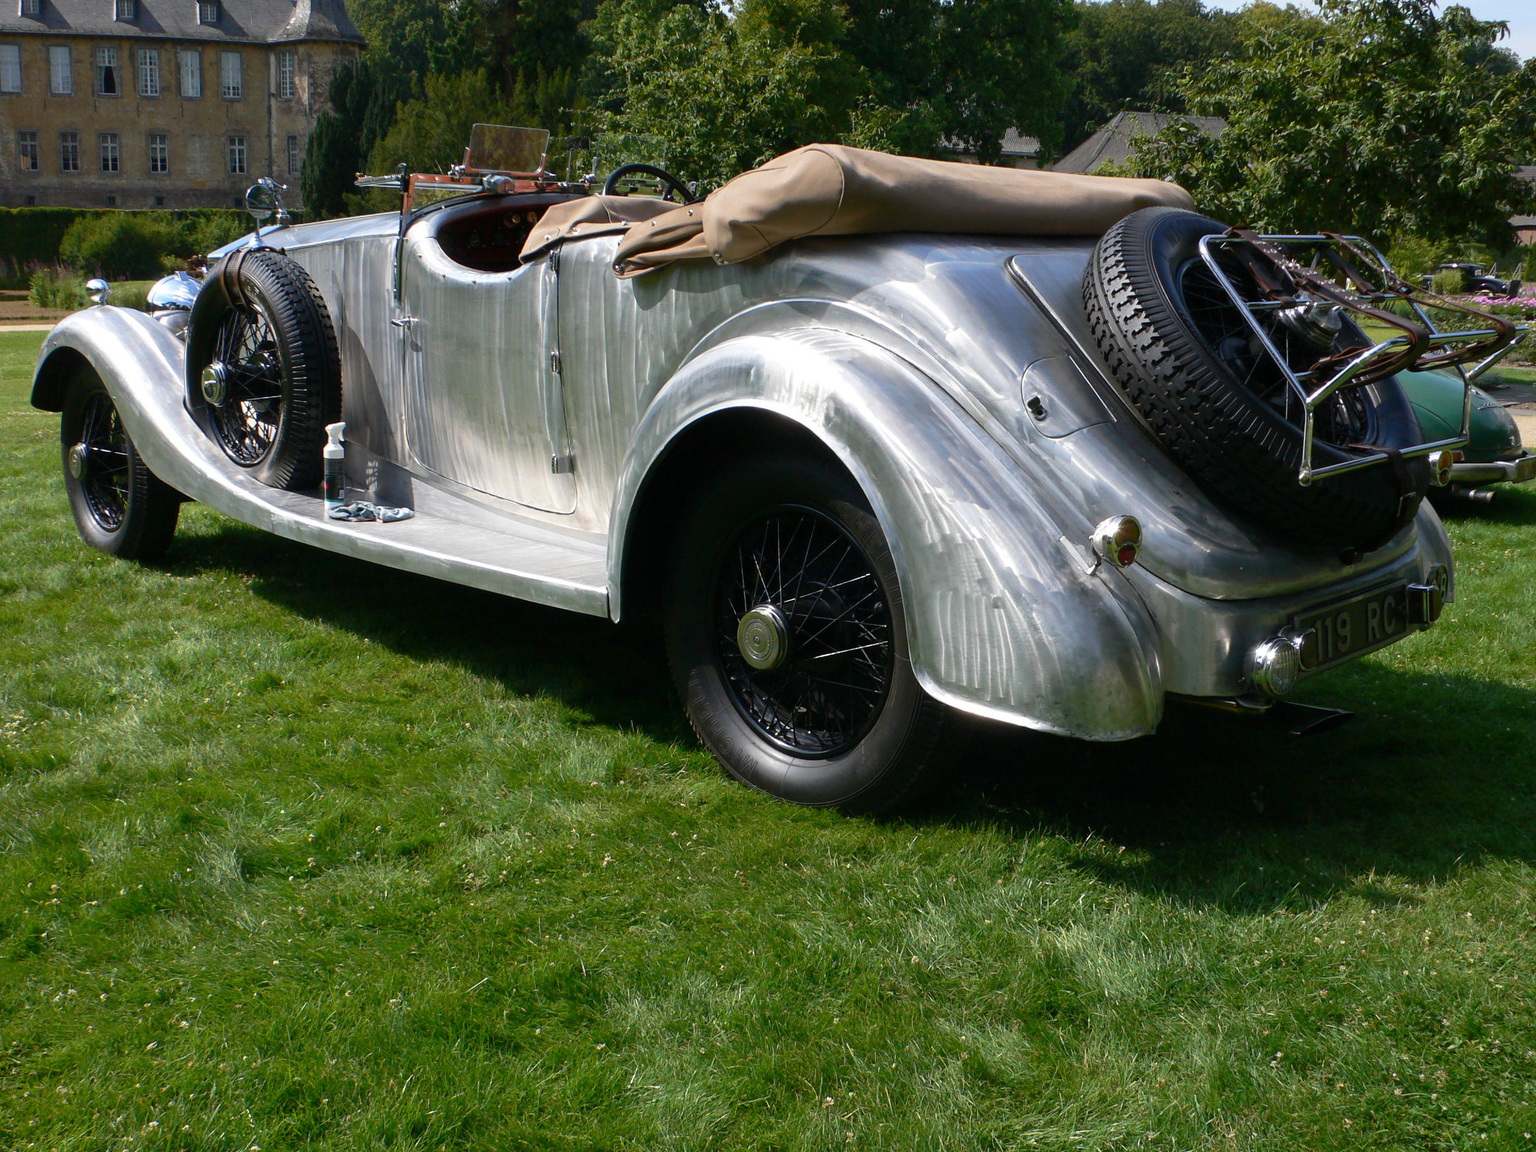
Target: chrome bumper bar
(1495, 471)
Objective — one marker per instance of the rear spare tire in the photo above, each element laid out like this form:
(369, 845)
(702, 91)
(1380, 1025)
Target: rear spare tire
(1187, 360)
(263, 371)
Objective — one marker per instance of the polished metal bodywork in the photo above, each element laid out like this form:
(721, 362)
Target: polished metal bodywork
(523, 413)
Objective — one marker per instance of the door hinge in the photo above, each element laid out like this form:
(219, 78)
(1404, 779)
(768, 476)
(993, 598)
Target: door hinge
(554, 363)
(554, 260)
(561, 464)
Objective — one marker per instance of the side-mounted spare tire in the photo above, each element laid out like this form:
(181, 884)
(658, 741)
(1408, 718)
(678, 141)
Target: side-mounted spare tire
(1189, 362)
(263, 370)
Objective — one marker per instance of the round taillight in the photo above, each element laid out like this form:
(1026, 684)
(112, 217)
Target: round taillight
(1118, 540)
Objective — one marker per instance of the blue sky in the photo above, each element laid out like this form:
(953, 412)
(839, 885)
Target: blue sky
(1520, 15)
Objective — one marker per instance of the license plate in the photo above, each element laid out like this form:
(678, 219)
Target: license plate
(1343, 631)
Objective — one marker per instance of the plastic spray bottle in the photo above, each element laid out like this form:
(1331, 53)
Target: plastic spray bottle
(335, 466)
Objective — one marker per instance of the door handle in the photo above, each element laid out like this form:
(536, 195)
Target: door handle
(403, 321)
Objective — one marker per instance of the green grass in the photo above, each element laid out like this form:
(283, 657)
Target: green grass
(301, 853)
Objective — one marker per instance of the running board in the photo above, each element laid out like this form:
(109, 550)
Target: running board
(450, 537)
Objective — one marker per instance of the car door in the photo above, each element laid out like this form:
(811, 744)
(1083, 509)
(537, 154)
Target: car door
(483, 404)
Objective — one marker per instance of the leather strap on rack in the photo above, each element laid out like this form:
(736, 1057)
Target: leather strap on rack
(228, 277)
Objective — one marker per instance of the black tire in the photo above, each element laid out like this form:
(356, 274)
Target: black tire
(842, 720)
(120, 506)
(261, 328)
(1186, 359)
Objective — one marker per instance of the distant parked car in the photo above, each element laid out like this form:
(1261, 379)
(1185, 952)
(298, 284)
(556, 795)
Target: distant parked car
(1494, 452)
(1476, 279)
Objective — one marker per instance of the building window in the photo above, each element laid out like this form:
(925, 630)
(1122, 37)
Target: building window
(229, 75)
(106, 71)
(207, 11)
(61, 78)
(111, 200)
(125, 10)
(10, 67)
(31, 7)
(149, 71)
(159, 152)
(293, 155)
(159, 201)
(285, 86)
(236, 155)
(111, 155)
(69, 151)
(26, 151)
(191, 72)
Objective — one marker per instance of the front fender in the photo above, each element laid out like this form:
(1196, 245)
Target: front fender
(1004, 619)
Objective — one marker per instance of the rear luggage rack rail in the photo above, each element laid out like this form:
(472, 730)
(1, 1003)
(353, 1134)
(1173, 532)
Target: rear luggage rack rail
(1307, 280)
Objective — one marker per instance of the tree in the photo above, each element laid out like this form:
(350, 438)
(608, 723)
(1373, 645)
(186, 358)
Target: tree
(1384, 119)
(962, 72)
(711, 95)
(1129, 54)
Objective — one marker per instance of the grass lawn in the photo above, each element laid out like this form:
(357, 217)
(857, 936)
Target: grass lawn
(300, 853)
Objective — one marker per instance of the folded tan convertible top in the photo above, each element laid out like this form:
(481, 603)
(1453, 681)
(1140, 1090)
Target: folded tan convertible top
(832, 190)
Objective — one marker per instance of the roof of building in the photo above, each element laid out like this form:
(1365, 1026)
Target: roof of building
(1012, 144)
(258, 21)
(1111, 144)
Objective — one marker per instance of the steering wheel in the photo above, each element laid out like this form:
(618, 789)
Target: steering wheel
(670, 183)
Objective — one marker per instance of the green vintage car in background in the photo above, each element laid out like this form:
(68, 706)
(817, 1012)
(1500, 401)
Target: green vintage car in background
(1494, 452)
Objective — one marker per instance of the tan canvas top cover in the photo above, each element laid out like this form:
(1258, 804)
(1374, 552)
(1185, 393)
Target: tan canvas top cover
(832, 190)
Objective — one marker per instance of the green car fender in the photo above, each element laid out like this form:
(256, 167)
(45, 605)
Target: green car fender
(1436, 400)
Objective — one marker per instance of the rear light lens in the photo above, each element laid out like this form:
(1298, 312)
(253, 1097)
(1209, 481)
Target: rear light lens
(1118, 540)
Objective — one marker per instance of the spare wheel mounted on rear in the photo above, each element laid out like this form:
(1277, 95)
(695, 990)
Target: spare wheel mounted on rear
(263, 369)
(1186, 358)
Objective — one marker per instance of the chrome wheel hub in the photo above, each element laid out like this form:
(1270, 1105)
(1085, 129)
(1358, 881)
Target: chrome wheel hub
(763, 637)
(215, 383)
(79, 460)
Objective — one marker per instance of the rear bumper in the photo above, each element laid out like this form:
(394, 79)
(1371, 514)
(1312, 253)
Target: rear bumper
(1495, 471)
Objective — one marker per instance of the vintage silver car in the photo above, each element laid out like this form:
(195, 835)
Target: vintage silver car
(878, 440)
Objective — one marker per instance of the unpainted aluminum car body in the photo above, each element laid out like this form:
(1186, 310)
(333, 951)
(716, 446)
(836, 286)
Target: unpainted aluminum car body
(543, 421)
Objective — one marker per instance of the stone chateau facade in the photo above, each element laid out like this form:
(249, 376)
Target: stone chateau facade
(161, 103)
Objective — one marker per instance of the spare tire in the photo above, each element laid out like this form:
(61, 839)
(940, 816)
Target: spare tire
(1188, 361)
(263, 370)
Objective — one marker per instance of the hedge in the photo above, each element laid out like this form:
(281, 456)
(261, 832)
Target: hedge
(29, 235)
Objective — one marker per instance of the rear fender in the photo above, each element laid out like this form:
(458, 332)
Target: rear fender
(1004, 618)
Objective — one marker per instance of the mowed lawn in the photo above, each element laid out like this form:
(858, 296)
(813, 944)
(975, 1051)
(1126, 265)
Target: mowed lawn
(300, 853)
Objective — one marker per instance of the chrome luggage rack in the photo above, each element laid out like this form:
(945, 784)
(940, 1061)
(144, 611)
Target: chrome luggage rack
(1348, 273)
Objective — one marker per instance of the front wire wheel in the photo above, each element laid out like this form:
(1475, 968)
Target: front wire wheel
(786, 636)
(119, 505)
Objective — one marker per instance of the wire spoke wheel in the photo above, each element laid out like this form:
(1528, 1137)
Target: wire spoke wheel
(247, 422)
(119, 505)
(263, 367)
(103, 463)
(1201, 377)
(817, 682)
(1345, 418)
(787, 638)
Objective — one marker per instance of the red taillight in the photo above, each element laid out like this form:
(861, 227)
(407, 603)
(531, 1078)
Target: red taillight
(1118, 540)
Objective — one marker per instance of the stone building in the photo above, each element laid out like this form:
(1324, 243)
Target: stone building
(161, 103)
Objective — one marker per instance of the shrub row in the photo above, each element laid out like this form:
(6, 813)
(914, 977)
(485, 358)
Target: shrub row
(32, 237)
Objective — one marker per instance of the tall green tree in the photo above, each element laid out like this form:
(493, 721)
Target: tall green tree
(709, 94)
(1130, 54)
(1386, 119)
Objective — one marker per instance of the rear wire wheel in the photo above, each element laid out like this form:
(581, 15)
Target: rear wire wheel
(786, 636)
(119, 505)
